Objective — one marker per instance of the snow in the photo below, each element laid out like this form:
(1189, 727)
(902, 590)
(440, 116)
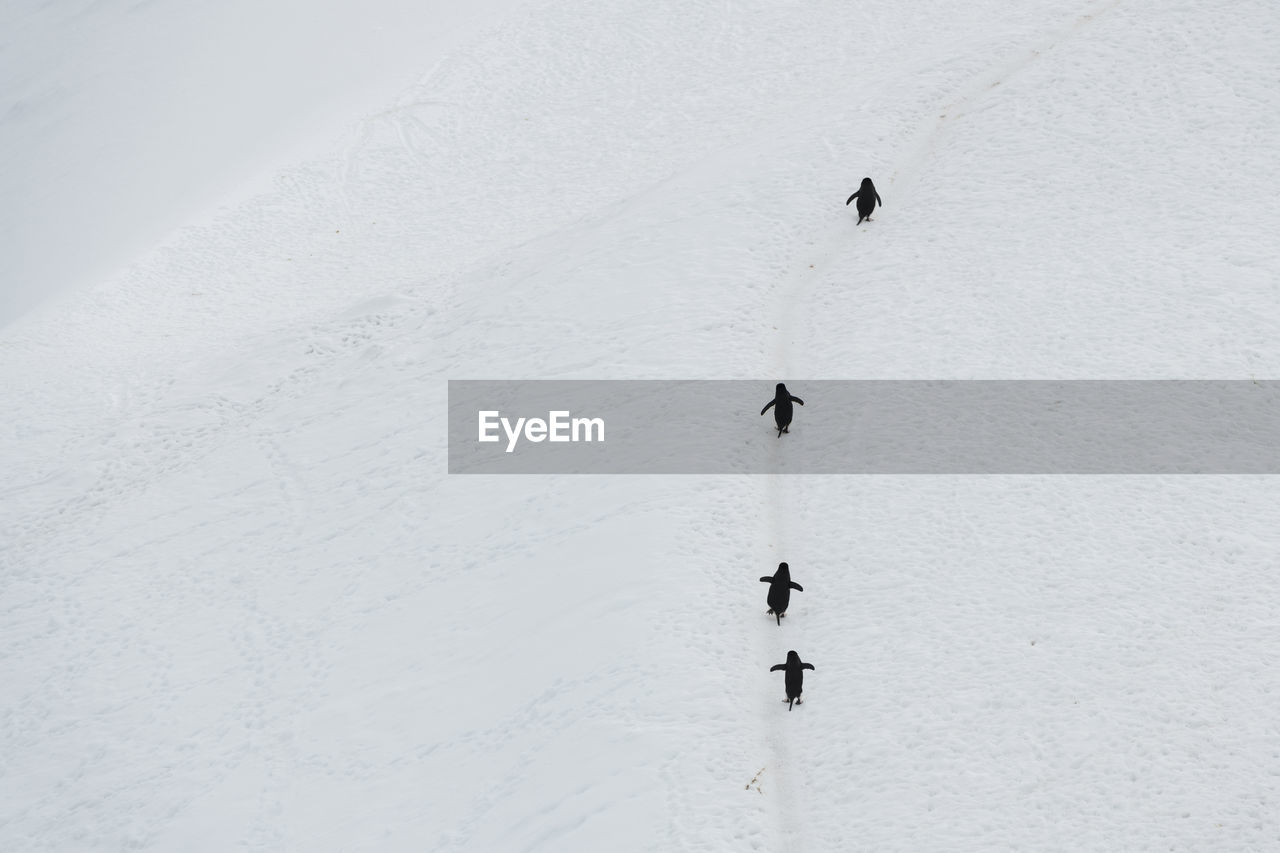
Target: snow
(120, 118)
(242, 605)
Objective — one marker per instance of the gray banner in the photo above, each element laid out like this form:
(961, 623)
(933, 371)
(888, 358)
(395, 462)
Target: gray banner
(865, 427)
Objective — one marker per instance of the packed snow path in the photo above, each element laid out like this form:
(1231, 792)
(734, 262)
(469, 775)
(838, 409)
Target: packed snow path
(244, 608)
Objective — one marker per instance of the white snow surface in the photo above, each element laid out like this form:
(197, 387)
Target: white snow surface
(120, 118)
(242, 605)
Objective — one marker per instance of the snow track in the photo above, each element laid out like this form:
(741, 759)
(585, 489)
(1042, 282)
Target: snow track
(860, 646)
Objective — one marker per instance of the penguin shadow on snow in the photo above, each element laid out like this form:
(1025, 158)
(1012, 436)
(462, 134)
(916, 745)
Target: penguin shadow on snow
(780, 586)
(794, 669)
(783, 411)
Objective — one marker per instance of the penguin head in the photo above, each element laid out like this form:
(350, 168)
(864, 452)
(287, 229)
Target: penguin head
(866, 183)
(781, 389)
(784, 571)
(793, 658)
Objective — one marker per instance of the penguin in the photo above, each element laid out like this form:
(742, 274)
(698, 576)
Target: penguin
(783, 410)
(867, 198)
(795, 676)
(780, 586)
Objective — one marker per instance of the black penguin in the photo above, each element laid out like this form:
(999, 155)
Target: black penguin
(780, 586)
(782, 409)
(795, 676)
(867, 198)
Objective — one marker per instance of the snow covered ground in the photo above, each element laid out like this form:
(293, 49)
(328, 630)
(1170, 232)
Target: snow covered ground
(242, 606)
(120, 119)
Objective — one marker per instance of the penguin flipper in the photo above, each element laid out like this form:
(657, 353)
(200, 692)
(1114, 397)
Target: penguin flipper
(766, 579)
(878, 200)
(767, 406)
(851, 198)
(806, 666)
(797, 586)
(797, 400)
(777, 667)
